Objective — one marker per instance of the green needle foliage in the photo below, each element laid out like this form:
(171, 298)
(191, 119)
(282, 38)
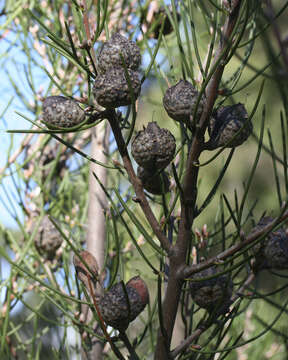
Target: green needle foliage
(211, 247)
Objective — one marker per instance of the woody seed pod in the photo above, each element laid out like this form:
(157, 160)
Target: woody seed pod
(180, 102)
(272, 251)
(156, 184)
(81, 269)
(59, 111)
(224, 125)
(159, 17)
(153, 148)
(117, 50)
(111, 89)
(48, 239)
(213, 294)
(119, 307)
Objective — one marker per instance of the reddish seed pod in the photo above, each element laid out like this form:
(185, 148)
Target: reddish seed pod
(83, 273)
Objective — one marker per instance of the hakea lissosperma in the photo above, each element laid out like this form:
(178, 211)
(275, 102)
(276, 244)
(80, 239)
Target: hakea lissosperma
(48, 239)
(60, 111)
(153, 148)
(180, 103)
(117, 50)
(229, 126)
(119, 306)
(272, 251)
(116, 86)
(86, 268)
(213, 294)
(154, 183)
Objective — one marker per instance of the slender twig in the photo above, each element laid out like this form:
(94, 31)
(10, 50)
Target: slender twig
(187, 342)
(87, 29)
(102, 324)
(26, 141)
(141, 198)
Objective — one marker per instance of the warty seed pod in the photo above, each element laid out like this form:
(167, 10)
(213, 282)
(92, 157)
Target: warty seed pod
(224, 125)
(156, 184)
(180, 101)
(272, 251)
(153, 148)
(47, 239)
(213, 294)
(59, 111)
(117, 310)
(111, 89)
(111, 51)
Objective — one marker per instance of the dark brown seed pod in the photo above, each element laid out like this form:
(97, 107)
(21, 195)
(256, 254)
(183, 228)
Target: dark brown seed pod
(156, 184)
(272, 251)
(111, 89)
(59, 111)
(119, 307)
(47, 239)
(213, 294)
(153, 148)
(117, 49)
(81, 269)
(159, 17)
(224, 125)
(180, 102)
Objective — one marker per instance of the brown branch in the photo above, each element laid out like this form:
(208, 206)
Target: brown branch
(187, 271)
(141, 198)
(188, 341)
(188, 201)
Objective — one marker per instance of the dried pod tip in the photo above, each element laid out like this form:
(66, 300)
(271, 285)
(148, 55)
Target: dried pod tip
(156, 184)
(81, 269)
(140, 286)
